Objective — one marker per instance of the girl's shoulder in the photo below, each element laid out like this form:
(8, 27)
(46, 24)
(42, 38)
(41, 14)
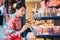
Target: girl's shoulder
(10, 19)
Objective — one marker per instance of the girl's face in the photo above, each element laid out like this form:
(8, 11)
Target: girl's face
(21, 11)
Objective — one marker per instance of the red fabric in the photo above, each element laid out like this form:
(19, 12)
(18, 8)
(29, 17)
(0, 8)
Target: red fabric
(15, 38)
(14, 23)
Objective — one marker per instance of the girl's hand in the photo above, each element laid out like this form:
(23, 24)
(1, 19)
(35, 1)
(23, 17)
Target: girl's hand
(17, 33)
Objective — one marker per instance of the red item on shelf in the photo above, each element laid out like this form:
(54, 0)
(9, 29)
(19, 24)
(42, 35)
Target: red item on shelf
(53, 3)
(39, 31)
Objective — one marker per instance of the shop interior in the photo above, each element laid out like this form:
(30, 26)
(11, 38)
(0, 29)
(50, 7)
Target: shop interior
(43, 17)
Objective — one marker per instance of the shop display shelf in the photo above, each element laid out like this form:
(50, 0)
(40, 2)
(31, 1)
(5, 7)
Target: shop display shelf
(54, 7)
(47, 36)
(44, 36)
(48, 18)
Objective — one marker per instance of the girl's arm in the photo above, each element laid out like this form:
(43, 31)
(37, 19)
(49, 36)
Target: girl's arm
(24, 28)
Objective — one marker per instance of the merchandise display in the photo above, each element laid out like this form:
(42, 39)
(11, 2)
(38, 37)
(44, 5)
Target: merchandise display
(47, 12)
(46, 30)
(45, 27)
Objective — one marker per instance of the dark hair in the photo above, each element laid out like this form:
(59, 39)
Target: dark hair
(19, 5)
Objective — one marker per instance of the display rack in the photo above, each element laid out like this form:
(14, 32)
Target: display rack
(48, 18)
(47, 36)
(54, 7)
(43, 36)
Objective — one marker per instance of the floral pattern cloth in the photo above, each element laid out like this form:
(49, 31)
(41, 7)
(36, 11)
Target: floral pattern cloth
(13, 25)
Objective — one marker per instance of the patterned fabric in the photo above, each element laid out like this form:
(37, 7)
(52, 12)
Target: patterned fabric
(12, 37)
(13, 23)
(12, 27)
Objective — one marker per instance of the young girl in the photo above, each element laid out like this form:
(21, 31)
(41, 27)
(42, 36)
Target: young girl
(13, 24)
